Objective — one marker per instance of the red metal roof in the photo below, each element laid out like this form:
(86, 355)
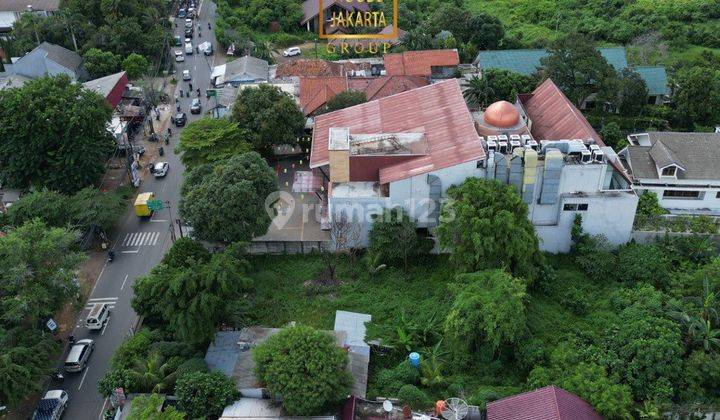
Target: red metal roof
(554, 117)
(437, 110)
(315, 92)
(419, 63)
(313, 68)
(548, 403)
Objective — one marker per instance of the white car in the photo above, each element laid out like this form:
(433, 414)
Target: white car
(179, 56)
(291, 52)
(188, 23)
(161, 169)
(188, 48)
(186, 75)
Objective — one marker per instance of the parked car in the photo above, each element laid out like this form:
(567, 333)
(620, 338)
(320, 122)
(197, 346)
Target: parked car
(178, 41)
(186, 75)
(180, 119)
(79, 355)
(189, 33)
(98, 316)
(179, 56)
(188, 23)
(181, 13)
(191, 12)
(161, 169)
(291, 52)
(188, 48)
(195, 106)
(52, 405)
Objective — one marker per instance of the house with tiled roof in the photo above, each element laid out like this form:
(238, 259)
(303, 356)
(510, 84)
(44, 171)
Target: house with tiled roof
(438, 64)
(548, 403)
(305, 67)
(315, 92)
(48, 60)
(242, 71)
(683, 169)
(407, 149)
(527, 61)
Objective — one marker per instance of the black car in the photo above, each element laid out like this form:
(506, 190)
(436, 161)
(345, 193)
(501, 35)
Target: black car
(189, 32)
(180, 119)
(195, 107)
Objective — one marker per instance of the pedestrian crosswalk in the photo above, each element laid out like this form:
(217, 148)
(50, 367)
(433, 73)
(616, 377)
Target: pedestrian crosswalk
(141, 239)
(111, 301)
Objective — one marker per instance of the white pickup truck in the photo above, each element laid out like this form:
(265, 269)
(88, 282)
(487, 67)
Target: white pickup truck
(52, 405)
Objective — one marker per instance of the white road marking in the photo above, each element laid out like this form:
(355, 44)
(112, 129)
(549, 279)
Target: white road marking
(83, 378)
(155, 237)
(138, 239)
(102, 409)
(123, 283)
(159, 221)
(98, 278)
(131, 252)
(105, 327)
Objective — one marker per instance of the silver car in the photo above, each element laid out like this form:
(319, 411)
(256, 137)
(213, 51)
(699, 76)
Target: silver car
(161, 169)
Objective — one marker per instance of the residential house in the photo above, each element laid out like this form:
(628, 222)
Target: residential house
(244, 70)
(315, 92)
(256, 409)
(48, 60)
(10, 11)
(304, 67)
(548, 403)
(111, 87)
(528, 62)
(437, 64)
(683, 169)
(311, 12)
(407, 149)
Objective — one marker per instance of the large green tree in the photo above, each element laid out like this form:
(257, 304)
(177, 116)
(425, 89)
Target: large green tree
(696, 96)
(25, 358)
(497, 85)
(229, 204)
(99, 63)
(485, 225)
(53, 135)
(135, 65)
(203, 395)
(270, 116)
(578, 68)
(489, 308)
(305, 367)
(210, 140)
(632, 93)
(147, 407)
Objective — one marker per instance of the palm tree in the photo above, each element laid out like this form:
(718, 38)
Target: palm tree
(703, 333)
(154, 374)
(264, 50)
(478, 93)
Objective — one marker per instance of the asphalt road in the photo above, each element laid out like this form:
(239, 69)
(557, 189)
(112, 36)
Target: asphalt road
(139, 245)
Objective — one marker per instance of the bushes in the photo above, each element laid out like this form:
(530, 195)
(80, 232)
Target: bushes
(284, 39)
(205, 394)
(389, 381)
(414, 397)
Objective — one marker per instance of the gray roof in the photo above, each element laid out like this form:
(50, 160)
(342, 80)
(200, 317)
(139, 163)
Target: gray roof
(698, 154)
(8, 80)
(247, 67)
(104, 85)
(66, 58)
(22, 5)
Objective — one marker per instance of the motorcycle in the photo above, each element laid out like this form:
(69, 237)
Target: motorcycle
(161, 151)
(111, 256)
(57, 376)
(167, 139)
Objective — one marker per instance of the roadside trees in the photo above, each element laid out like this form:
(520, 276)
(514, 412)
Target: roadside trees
(485, 225)
(210, 140)
(99, 63)
(53, 134)
(135, 65)
(270, 117)
(228, 205)
(305, 367)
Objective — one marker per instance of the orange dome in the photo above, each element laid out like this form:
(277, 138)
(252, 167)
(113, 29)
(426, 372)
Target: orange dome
(502, 114)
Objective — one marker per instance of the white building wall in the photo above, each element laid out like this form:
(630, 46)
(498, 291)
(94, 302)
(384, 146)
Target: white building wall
(707, 203)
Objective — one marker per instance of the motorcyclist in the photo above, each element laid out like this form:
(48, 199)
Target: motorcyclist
(198, 92)
(209, 26)
(169, 131)
(111, 255)
(190, 86)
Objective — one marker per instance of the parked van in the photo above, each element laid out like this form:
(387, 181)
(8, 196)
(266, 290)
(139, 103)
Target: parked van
(98, 316)
(178, 41)
(188, 48)
(79, 354)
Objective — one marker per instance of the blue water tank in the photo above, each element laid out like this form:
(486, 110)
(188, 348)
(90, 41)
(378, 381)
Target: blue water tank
(414, 359)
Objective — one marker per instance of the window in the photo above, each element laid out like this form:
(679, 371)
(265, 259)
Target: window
(669, 171)
(717, 195)
(575, 207)
(681, 194)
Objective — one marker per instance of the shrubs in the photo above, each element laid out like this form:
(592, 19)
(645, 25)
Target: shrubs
(203, 395)
(393, 239)
(389, 381)
(414, 397)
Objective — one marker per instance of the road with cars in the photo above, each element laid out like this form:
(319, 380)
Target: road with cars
(139, 244)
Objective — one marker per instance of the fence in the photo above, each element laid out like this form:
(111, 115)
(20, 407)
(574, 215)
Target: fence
(677, 223)
(286, 247)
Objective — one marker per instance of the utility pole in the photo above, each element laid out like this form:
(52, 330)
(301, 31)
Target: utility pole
(179, 227)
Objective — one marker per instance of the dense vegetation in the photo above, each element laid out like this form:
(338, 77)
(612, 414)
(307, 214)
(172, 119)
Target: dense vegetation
(104, 31)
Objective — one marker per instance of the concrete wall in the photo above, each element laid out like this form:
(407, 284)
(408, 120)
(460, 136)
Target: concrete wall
(709, 201)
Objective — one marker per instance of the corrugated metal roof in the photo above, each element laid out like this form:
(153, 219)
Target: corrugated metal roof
(548, 403)
(66, 58)
(527, 61)
(554, 117)
(655, 78)
(438, 110)
(22, 5)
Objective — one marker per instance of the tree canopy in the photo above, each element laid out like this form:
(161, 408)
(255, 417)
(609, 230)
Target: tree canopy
(135, 65)
(393, 239)
(485, 225)
(203, 395)
(99, 63)
(228, 205)
(497, 85)
(632, 93)
(54, 135)
(270, 117)
(696, 96)
(305, 367)
(210, 140)
(579, 70)
(147, 407)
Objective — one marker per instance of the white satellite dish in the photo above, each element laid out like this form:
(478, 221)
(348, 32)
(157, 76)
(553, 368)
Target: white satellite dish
(455, 409)
(387, 406)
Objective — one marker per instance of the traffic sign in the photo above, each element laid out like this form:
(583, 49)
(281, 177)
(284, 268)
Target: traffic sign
(155, 205)
(51, 324)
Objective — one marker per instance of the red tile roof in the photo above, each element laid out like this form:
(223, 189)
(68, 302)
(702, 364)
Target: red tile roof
(554, 117)
(313, 68)
(419, 63)
(315, 92)
(548, 403)
(437, 110)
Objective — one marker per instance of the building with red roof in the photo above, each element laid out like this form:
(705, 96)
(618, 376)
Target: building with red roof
(435, 63)
(548, 403)
(111, 87)
(315, 92)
